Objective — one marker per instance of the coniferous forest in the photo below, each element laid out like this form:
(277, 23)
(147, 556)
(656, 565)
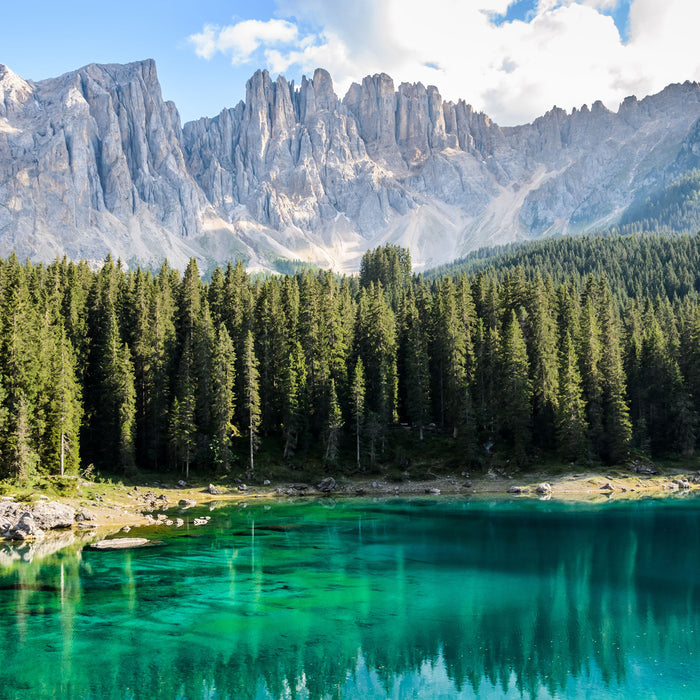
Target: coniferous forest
(580, 349)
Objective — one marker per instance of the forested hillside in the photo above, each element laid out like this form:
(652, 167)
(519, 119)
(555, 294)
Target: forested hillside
(635, 265)
(579, 349)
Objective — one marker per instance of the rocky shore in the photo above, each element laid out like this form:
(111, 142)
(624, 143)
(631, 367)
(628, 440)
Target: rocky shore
(102, 510)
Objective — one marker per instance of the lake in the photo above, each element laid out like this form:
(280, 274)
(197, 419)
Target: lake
(419, 598)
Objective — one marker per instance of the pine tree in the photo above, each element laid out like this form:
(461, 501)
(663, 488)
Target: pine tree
(183, 427)
(376, 341)
(515, 388)
(65, 407)
(589, 354)
(294, 411)
(571, 423)
(335, 423)
(251, 396)
(542, 354)
(158, 367)
(358, 404)
(222, 409)
(416, 373)
(618, 428)
(125, 394)
(450, 358)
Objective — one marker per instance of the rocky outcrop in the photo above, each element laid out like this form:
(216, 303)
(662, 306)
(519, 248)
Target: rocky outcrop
(19, 521)
(25, 528)
(95, 161)
(50, 515)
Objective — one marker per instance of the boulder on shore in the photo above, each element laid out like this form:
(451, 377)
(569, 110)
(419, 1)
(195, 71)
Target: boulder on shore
(19, 521)
(49, 515)
(83, 515)
(543, 488)
(326, 485)
(25, 528)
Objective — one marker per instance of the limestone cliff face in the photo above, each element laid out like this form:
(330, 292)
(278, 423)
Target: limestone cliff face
(292, 158)
(95, 161)
(92, 162)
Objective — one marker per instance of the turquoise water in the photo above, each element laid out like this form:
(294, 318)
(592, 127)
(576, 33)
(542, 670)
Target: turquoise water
(362, 599)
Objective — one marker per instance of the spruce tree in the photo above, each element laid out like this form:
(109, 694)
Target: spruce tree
(571, 423)
(294, 405)
(223, 403)
(251, 397)
(125, 395)
(515, 388)
(618, 428)
(358, 404)
(335, 424)
(65, 407)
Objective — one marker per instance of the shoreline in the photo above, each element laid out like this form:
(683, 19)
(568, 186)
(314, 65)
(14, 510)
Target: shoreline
(116, 508)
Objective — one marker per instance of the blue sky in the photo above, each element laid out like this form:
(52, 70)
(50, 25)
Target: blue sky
(514, 60)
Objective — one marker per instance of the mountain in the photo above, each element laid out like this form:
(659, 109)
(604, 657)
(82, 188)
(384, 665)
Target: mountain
(95, 161)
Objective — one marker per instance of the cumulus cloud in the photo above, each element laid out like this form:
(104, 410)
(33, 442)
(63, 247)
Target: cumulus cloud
(242, 40)
(565, 53)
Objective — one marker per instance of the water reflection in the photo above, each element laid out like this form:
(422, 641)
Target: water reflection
(402, 599)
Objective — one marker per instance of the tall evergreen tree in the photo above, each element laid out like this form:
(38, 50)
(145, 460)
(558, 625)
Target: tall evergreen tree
(335, 423)
(251, 396)
(618, 428)
(571, 423)
(358, 405)
(65, 407)
(223, 401)
(294, 404)
(516, 391)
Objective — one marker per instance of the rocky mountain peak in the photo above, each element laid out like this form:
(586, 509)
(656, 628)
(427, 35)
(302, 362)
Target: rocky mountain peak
(95, 161)
(14, 91)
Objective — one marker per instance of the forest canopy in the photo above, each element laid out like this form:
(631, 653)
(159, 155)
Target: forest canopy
(581, 348)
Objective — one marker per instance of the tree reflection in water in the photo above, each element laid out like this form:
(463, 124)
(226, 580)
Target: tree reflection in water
(395, 599)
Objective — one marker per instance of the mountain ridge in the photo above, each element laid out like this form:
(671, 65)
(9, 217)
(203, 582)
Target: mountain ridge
(95, 161)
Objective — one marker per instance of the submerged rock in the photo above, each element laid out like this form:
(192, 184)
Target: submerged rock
(516, 489)
(432, 491)
(118, 543)
(187, 503)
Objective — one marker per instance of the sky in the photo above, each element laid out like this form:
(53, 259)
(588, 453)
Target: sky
(512, 59)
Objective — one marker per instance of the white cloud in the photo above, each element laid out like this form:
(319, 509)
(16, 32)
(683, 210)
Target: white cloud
(568, 52)
(241, 40)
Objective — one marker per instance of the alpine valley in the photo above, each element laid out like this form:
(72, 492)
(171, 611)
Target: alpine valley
(96, 162)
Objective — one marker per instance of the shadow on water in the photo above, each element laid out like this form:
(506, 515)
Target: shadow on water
(398, 599)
